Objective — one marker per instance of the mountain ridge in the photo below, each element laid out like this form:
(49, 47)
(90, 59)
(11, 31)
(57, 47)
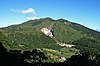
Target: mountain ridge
(29, 33)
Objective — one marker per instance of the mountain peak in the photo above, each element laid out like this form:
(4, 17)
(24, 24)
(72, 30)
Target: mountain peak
(47, 18)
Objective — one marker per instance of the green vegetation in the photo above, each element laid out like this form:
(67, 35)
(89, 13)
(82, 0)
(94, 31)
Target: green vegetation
(65, 34)
(55, 55)
(28, 36)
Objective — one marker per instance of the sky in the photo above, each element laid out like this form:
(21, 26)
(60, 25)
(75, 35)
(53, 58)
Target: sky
(84, 12)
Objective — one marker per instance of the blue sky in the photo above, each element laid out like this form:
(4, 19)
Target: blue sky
(85, 12)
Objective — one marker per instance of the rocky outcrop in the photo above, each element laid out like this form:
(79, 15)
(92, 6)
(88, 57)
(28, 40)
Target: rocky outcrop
(47, 31)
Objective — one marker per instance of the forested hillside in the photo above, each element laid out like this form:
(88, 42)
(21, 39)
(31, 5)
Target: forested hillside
(28, 36)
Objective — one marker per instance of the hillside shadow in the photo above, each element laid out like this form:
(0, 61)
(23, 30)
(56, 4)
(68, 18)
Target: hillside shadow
(11, 59)
(17, 58)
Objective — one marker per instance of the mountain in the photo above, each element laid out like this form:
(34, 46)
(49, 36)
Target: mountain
(55, 38)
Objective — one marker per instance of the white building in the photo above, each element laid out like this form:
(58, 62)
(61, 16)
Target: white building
(62, 59)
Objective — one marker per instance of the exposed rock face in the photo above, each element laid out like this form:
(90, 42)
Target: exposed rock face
(47, 31)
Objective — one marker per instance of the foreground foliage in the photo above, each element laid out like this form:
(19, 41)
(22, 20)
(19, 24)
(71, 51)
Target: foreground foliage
(27, 58)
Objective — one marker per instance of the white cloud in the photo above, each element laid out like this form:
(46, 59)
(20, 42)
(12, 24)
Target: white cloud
(98, 29)
(28, 11)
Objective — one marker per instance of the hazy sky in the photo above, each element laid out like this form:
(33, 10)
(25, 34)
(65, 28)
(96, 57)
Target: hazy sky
(85, 12)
